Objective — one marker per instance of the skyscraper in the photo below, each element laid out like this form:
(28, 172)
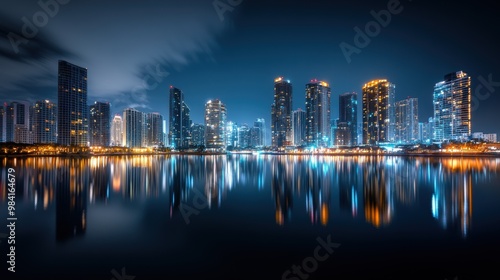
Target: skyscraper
(378, 112)
(117, 131)
(175, 119)
(72, 125)
(17, 122)
(318, 102)
(299, 127)
(244, 136)
(133, 128)
(154, 134)
(348, 118)
(198, 134)
(255, 137)
(260, 123)
(2, 124)
(281, 113)
(231, 135)
(186, 126)
(407, 127)
(99, 124)
(452, 108)
(342, 133)
(44, 122)
(215, 125)
(179, 118)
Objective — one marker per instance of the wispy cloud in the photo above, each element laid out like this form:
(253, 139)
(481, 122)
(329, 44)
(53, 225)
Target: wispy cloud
(119, 43)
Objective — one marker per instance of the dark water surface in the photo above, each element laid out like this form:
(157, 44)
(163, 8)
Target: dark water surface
(253, 217)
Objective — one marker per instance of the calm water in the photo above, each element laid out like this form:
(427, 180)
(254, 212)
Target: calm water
(254, 217)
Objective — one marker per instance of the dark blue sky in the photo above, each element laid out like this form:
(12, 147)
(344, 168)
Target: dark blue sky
(237, 58)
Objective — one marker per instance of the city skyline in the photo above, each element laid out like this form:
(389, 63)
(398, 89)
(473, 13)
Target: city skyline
(216, 60)
(384, 118)
(197, 139)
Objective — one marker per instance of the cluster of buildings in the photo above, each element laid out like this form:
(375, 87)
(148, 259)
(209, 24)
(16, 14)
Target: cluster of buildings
(216, 133)
(383, 119)
(71, 122)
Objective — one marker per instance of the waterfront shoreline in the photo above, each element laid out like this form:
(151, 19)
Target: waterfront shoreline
(454, 155)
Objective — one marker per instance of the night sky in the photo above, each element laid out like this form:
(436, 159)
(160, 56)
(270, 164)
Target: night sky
(130, 46)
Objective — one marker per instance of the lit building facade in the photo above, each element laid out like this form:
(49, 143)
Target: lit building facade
(179, 119)
(2, 124)
(281, 114)
(318, 103)
(99, 124)
(452, 108)
(133, 128)
(17, 123)
(215, 125)
(407, 126)
(198, 134)
(231, 135)
(44, 122)
(260, 123)
(348, 119)
(244, 136)
(72, 123)
(299, 127)
(154, 123)
(378, 112)
(117, 131)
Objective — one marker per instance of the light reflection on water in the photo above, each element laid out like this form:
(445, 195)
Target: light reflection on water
(368, 186)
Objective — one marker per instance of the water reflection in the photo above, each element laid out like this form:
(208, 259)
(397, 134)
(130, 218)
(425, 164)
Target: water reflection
(71, 199)
(282, 189)
(452, 201)
(370, 187)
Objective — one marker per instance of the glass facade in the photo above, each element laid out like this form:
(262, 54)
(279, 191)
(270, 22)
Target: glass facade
(378, 112)
(452, 108)
(348, 119)
(407, 126)
(281, 113)
(318, 104)
(215, 125)
(44, 122)
(72, 125)
(99, 124)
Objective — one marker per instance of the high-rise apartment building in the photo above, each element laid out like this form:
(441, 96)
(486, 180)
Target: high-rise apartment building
(299, 127)
(72, 123)
(318, 103)
(378, 112)
(260, 123)
(348, 119)
(452, 108)
(281, 113)
(154, 134)
(99, 130)
(17, 126)
(179, 118)
(44, 122)
(133, 128)
(215, 125)
(117, 131)
(407, 127)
